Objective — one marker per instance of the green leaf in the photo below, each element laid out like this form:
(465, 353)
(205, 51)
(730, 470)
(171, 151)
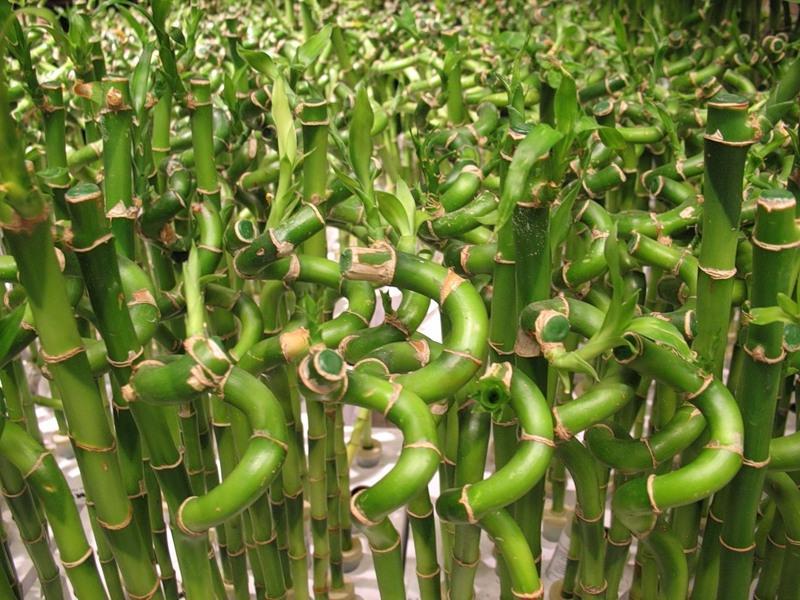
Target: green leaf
(405, 20)
(661, 332)
(611, 138)
(534, 147)
(161, 10)
(313, 47)
(789, 306)
(406, 198)
(260, 61)
(488, 219)
(284, 121)
(386, 302)
(561, 217)
(566, 106)
(138, 28)
(360, 139)
(611, 254)
(766, 315)
(140, 80)
(9, 327)
(668, 124)
(571, 361)
(55, 28)
(584, 124)
(351, 184)
(393, 211)
(620, 33)
(622, 307)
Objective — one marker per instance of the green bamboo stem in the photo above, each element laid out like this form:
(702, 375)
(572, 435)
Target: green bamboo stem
(727, 140)
(117, 118)
(465, 342)
(334, 502)
(775, 238)
(200, 105)
(589, 512)
(10, 585)
(322, 373)
(292, 481)
(783, 490)
(317, 430)
(26, 514)
(96, 252)
(39, 470)
(770, 576)
(423, 530)
(30, 242)
(473, 443)
(528, 464)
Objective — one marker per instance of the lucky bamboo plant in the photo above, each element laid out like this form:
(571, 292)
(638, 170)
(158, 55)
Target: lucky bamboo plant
(552, 247)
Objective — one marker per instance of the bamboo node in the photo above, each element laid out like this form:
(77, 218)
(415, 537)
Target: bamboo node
(294, 344)
(313, 207)
(755, 464)
(6, 494)
(649, 447)
(464, 355)
(120, 211)
(560, 429)
(539, 593)
(464, 501)
(142, 296)
(259, 433)
(466, 565)
(25, 225)
(397, 389)
(525, 345)
(594, 590)
(357, 513)
(498, 349)
(293, 272)
(380, 274)
(703, 387)
(439, 408)
(425, 515)
(775, 247)
(581, 517)
(759, 355)
(73, 564)
(61, 357)
(735, 448)
(373, 360)
(435, 573)
(792, 541)
(523, 436)
(736, 549)
(422, 351)
(92, 448)
(133, 355)
(282, 248)
(450, 284)
(422, 444)
(179, 519)
(117, 526)
(718, 274)
(149, 594)
(463, 258)
(385, 550)
(651, 494)
(498, 259)
(393, 321)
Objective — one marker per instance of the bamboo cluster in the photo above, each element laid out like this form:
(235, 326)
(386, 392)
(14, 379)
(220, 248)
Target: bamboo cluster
(223, 223)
